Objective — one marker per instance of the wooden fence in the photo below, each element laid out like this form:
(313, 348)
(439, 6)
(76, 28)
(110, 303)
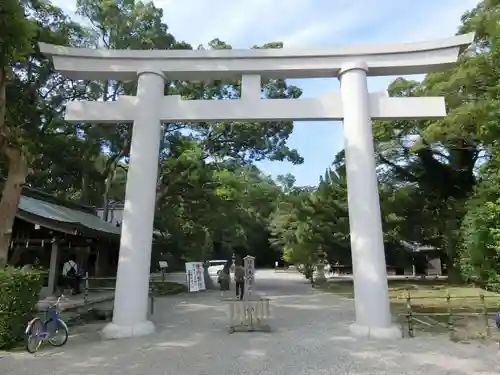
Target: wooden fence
(107, 284)
(460, 323)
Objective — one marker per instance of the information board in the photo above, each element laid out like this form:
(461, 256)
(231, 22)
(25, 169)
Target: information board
(199, 275)
(192, 283)
(194, 276)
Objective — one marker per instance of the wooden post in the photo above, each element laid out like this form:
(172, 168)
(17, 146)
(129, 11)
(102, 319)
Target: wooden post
(409, 314)
(53, 269)
(97, 269)
(267, 311)
(231, 312)
(485, 315)
(151, 298)
(86, 289)
(450, 313)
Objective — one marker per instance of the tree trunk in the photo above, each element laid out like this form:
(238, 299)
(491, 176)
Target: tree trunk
(451, 246)
(16, 255)
(453, 272)
(105, 202)
(16, 177)
(3, 99)
(84, 190)
(209, 283)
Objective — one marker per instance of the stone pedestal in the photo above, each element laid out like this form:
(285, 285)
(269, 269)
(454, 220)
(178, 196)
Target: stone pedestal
(114, 331)
(389, 333)
(320, 274)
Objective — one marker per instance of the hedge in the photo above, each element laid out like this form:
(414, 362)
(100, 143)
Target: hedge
(19, 290)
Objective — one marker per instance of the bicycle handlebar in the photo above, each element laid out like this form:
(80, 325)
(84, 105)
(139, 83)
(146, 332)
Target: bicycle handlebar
(61, 297)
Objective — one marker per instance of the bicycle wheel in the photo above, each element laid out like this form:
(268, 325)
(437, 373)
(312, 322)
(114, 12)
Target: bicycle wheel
(59, 333)
(32, 335)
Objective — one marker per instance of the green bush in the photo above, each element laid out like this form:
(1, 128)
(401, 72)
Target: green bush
(479, 255)
(19, 291)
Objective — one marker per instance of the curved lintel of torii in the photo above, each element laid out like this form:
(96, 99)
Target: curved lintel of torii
(389, 59)
(252, 66)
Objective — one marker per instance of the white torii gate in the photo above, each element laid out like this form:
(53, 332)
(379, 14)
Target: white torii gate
(353, 104)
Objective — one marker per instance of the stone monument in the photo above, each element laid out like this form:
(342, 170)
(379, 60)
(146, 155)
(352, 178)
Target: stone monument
(253, 312)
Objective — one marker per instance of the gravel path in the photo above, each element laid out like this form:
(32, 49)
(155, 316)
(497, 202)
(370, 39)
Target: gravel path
(309, 337)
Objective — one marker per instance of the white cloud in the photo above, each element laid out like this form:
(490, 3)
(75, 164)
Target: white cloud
(306, 23)
(438, 19)
(243, 23)
(199, 21)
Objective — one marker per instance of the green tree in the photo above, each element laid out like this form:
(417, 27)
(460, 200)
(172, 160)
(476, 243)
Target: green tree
(31, 96)
(14, 43)
(311, 222)
(480, 251)
(480, 254)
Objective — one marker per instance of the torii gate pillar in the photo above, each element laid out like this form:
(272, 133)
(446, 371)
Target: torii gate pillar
(132, 279)
(373, 314)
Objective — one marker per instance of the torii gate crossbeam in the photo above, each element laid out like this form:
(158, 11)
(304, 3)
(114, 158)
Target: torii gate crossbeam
(353, 104)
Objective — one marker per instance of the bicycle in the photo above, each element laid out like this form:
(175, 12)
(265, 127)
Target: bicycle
(38, 331)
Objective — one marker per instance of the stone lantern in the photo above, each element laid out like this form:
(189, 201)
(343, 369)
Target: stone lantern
(320, 267)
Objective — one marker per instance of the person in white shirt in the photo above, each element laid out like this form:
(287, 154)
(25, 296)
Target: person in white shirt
(70, 265)
(71, 275)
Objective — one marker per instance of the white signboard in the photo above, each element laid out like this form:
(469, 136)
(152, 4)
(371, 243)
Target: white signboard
(249, 262)
(163, 264)
(192, 283)
(194, 275)
(249, 267)
(199, 275)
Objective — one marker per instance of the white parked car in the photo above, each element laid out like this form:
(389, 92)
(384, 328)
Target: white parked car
(215, 266)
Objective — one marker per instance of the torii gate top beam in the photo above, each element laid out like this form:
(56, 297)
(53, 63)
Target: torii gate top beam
(392, 59)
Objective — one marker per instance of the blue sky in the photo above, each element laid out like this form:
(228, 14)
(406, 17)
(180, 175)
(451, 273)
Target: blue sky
(311, 24)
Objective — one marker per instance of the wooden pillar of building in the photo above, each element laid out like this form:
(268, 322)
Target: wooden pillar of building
(54, 266)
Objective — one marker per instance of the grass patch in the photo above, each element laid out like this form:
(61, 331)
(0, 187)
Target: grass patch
(166, 288)
(104, 283)
(431, 303)
(439, 296)
(160, 288)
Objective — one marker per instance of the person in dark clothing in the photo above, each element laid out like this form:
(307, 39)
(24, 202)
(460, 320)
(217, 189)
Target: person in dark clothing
(72, 276)
(239, 278)
(224, 278)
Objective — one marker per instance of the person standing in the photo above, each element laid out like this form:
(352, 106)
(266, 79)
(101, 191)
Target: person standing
(239, 278)
(224, 278)
(71, 275)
